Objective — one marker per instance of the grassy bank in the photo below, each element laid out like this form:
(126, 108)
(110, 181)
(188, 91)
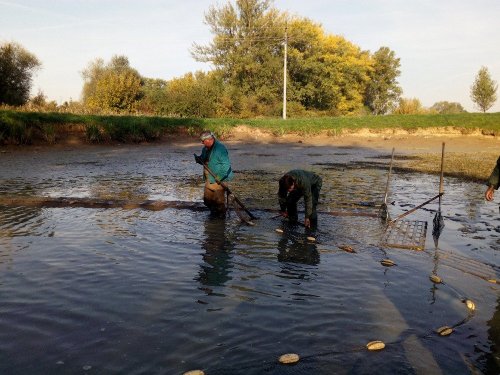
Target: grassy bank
(474, 167)
(33, 127)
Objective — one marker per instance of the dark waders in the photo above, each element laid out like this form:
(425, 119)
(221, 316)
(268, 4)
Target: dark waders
(295, 195)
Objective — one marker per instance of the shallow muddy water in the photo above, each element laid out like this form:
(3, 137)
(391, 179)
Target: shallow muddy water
(135, 291)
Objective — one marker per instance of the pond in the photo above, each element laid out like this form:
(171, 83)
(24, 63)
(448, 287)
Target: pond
(137, 291)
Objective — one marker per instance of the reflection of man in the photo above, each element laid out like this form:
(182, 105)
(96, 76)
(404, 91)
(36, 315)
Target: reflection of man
(493, 182)
(296, 252)
(493, 361)
(216, 267)
(215, 156)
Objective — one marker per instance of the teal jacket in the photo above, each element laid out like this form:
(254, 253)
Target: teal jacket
(494, 179)
(304, 181)
(217, 160)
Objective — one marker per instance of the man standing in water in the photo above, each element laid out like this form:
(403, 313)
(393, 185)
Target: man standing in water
(215, 156)
(493, 182)
(292, 186)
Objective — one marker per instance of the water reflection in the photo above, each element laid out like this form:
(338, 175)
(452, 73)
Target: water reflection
(20, 221)
(294, 248)
(493, 359)
(267, 278)
(216, 267)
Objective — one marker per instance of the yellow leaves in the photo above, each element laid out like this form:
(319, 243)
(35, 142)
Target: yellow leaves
(116, 91)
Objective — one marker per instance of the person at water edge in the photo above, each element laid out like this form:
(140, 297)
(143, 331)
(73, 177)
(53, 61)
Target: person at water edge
(493, 182)
(216, 157)
(294, 185)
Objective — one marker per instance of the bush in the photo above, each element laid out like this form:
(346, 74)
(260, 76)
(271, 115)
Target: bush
(93, 133)
(49, 133)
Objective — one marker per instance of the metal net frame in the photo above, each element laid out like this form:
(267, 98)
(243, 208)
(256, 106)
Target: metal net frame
(406, 234)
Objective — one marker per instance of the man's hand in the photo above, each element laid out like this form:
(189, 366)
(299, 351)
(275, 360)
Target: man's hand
(284, 213)
(198, 159)
(490, 192)
(307, 223)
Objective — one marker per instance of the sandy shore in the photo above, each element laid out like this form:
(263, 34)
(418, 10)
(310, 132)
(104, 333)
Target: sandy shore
(467, 156)
(421, 141)
(418, 141)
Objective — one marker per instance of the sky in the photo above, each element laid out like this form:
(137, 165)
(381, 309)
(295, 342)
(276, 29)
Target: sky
(442, 44)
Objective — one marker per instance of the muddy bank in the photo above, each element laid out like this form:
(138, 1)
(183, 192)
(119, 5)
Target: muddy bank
(412, 140)
(468, 156)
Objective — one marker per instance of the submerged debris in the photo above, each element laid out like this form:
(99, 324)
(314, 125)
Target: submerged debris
(435, 279)
(149, 204)
(387, 262)
(444, 331)
(347, 248)
(289, 358)
(470, 305)
(375, 345)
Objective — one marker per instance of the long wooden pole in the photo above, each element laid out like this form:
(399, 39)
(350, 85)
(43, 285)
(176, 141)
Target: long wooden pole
(441, 189)
(442, 170)
(415, 208)
(284, 74)
(388, 178)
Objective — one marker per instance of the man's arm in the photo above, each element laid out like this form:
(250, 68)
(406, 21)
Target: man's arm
(493, 182)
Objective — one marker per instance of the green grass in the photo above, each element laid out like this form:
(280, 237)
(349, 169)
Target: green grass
(38, 127)
(474, 167)
(489, 122)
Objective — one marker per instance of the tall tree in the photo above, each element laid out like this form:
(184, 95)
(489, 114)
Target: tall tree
(447, 107)
(115, 87)
(155, 96)
(247, 46)
(327, 72)
(17, 67)
(407, 106)
(193, 95)
(484, 90)
(383, 92)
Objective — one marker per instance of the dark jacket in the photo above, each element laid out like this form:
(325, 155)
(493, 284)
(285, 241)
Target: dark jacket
(494, 179)
(304, 181)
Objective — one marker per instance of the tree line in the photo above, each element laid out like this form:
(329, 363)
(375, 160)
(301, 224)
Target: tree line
(326, 75)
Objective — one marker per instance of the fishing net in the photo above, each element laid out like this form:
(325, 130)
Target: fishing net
(437, 227)
(383, 212)
(406, 234)
(240, 211)
(486, 271)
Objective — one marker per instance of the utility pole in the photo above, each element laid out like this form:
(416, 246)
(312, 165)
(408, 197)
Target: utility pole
(284, 74)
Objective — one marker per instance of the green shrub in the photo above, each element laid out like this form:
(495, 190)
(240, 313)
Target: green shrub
(49, 133)
(93, 133)
(21, 134)
(151, 132)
